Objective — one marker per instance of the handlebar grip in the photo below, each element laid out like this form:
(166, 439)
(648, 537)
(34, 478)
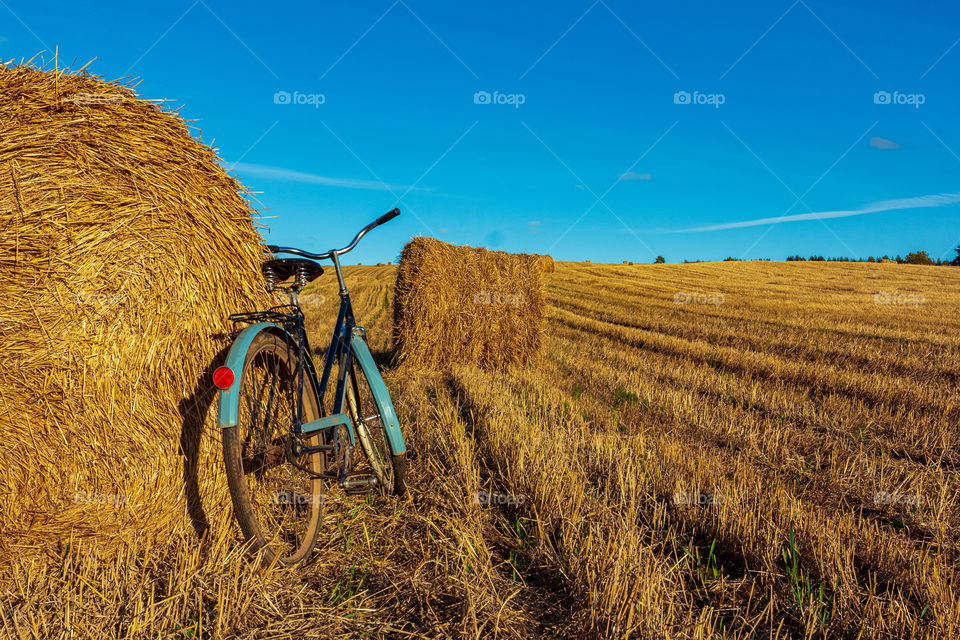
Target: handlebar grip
(388, 216)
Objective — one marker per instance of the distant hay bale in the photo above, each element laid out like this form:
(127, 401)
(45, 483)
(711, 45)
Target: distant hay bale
(125, 245)
(461, 304)
(546, 263)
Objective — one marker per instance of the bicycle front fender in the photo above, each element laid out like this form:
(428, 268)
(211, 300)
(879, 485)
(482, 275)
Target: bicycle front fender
(230, 397)
(382, 397)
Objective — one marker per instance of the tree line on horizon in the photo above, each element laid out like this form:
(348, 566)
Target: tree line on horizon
(914, 257)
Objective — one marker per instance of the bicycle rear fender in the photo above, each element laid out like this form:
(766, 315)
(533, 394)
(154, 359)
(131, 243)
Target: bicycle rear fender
(230, 397)
(365, 359)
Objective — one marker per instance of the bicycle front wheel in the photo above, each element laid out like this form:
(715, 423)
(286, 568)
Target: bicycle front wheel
(368, 415)
(277, 494)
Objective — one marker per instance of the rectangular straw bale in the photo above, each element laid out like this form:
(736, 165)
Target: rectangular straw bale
(464, 304)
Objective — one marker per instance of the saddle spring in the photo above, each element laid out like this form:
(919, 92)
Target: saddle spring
(300, 280)
(271, 277)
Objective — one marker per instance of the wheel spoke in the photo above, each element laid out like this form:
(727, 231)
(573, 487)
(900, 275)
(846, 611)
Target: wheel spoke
(273, 388)
(272, 456)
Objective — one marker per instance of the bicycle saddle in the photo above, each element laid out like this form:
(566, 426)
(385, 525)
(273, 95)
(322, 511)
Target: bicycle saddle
(282, 269)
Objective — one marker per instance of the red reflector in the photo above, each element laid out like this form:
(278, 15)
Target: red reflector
(223, 377)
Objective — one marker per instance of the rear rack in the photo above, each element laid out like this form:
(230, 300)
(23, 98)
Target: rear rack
(293, 316)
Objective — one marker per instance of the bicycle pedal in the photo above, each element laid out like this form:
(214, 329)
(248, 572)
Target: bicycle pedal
(358, 483)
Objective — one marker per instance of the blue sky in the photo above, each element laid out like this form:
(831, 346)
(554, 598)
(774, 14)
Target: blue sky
(604, 130)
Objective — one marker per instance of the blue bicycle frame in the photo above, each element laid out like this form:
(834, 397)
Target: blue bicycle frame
(346, 344)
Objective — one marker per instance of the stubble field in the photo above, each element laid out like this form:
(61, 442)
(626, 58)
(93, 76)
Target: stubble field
(732, 449)
(735, 450)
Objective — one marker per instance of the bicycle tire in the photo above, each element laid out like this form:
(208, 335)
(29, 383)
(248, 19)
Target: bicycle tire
(390, 469)
(273, 523)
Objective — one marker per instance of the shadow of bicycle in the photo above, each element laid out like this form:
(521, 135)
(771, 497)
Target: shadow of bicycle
(194, 412)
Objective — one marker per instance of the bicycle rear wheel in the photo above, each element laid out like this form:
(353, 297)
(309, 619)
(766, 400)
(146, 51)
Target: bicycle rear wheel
(277, 498)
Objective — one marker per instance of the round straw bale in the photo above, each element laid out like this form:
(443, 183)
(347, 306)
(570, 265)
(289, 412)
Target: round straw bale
(546, 263)
(462, 304)
(124, 247)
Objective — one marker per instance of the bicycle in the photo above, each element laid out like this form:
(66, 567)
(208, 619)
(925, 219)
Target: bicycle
(279, 443)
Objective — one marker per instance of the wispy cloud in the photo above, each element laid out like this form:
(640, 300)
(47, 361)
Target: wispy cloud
(534, 226)
(919, 202)
(633, 175)
(883, 143)
(289, 175)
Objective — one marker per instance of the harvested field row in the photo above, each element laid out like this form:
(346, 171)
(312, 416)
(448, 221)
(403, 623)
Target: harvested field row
(648, 483)
(787, 445)
(935, 361)
(645, 405)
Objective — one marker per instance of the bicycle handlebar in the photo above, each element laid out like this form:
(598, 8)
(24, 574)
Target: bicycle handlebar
(387, 217)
